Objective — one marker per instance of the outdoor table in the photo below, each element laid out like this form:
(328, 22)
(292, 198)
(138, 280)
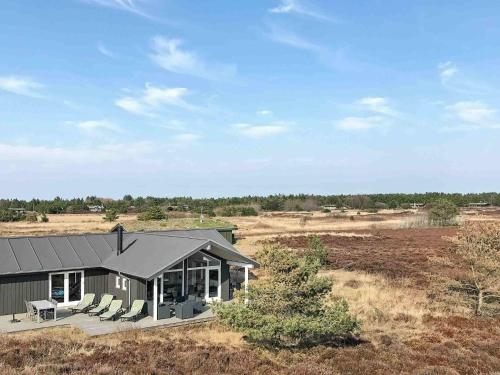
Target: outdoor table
(43, 305)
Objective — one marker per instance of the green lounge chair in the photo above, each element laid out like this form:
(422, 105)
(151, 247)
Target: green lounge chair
(135, 311)
(84, 305)
(114, 309)
(106, 300)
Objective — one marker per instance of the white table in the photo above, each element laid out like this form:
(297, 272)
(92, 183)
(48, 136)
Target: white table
(44, 305)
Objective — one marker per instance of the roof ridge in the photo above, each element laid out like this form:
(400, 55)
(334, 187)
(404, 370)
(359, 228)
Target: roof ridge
(60, 235)
(173, 235)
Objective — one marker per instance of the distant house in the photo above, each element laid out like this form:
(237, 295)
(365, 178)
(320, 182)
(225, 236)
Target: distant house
(478, 204)
(97, 208)
(417, 205)
(330, 207)
(158, 267)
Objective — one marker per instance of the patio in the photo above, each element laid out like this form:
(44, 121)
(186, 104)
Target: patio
(92, 325)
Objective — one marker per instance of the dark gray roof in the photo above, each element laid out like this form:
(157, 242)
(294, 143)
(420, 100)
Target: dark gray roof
(53, 253)
(145, 253)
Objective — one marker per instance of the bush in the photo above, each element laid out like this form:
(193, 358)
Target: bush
(9, 215)
(153, 213)
(44, 218)
(287, 307)
(442, 212)
(249, 211)
(111, 215)
(326, 210)
(31, 217)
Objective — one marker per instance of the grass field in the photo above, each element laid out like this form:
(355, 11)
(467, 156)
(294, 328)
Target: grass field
(388, 265)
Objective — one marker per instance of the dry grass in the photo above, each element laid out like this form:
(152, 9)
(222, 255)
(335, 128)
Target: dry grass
(91, 223)
(386, 307)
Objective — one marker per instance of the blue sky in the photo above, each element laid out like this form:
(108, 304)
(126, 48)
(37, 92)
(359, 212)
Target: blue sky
(218, 98)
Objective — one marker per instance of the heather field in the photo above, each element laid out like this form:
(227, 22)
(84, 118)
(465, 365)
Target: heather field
(394, 273)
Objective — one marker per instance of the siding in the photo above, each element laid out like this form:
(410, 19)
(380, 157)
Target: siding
(224, 281)
(227, 233)
(136, 289)
(14, 290)
(96, 281)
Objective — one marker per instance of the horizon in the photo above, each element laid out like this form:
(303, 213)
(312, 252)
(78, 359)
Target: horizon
(225, 99)
(244, 196)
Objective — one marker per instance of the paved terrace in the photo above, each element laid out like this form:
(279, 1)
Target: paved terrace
(92, 325)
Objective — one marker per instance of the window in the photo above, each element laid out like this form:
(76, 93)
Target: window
(202, 260)
(67, 288)
(124, 283)
(117, 282)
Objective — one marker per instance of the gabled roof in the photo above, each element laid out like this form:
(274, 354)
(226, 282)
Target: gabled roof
(145, 253)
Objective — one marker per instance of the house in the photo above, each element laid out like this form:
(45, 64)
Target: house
(96, 208)
(154, 266)
(478, 204)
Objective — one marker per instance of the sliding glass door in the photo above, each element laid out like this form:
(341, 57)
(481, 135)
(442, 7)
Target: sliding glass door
(203, 277)
(66, 287)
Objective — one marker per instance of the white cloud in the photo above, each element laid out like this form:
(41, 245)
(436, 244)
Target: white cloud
(92, 127)
(154, 99)
(291, 39)
(333, 59)
(259, 131)
(264, 112)
(474, 113)
(168, 54)
(377, 105)
(297, 7)
(130, 6)
(447, 70)
(360, 123)
(130, 104)
(105, 51)
(21, 85)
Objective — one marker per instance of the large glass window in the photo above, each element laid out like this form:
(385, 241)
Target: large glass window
(75, 286)
(66, 287)
(172, 285)
(202, 260)
(196, 282)
(213, 283)
(57, 287)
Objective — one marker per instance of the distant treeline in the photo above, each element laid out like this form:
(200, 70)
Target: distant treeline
(242, 205)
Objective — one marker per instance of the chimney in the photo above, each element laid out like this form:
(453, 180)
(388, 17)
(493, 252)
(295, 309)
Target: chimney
(119, 239)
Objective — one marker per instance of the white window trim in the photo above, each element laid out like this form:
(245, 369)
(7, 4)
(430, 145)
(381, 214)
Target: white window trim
(117, 282)
(124, 283)
(66, 287)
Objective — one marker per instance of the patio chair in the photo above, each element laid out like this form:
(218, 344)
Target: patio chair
(30, 310)
(135, 311)
(115, 308)
(85, 304)
(106, 300)
(197, 303)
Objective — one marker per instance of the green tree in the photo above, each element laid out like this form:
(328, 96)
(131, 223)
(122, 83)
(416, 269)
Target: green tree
(315, 251)
(287, 307)
(442, 212)
(478, 244)
(154, 212)
(111, 215)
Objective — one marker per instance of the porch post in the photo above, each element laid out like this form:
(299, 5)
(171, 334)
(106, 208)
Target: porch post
(246, 284)
(155, 299)
(161, 289)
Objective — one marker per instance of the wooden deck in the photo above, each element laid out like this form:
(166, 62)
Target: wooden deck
(92, 325)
